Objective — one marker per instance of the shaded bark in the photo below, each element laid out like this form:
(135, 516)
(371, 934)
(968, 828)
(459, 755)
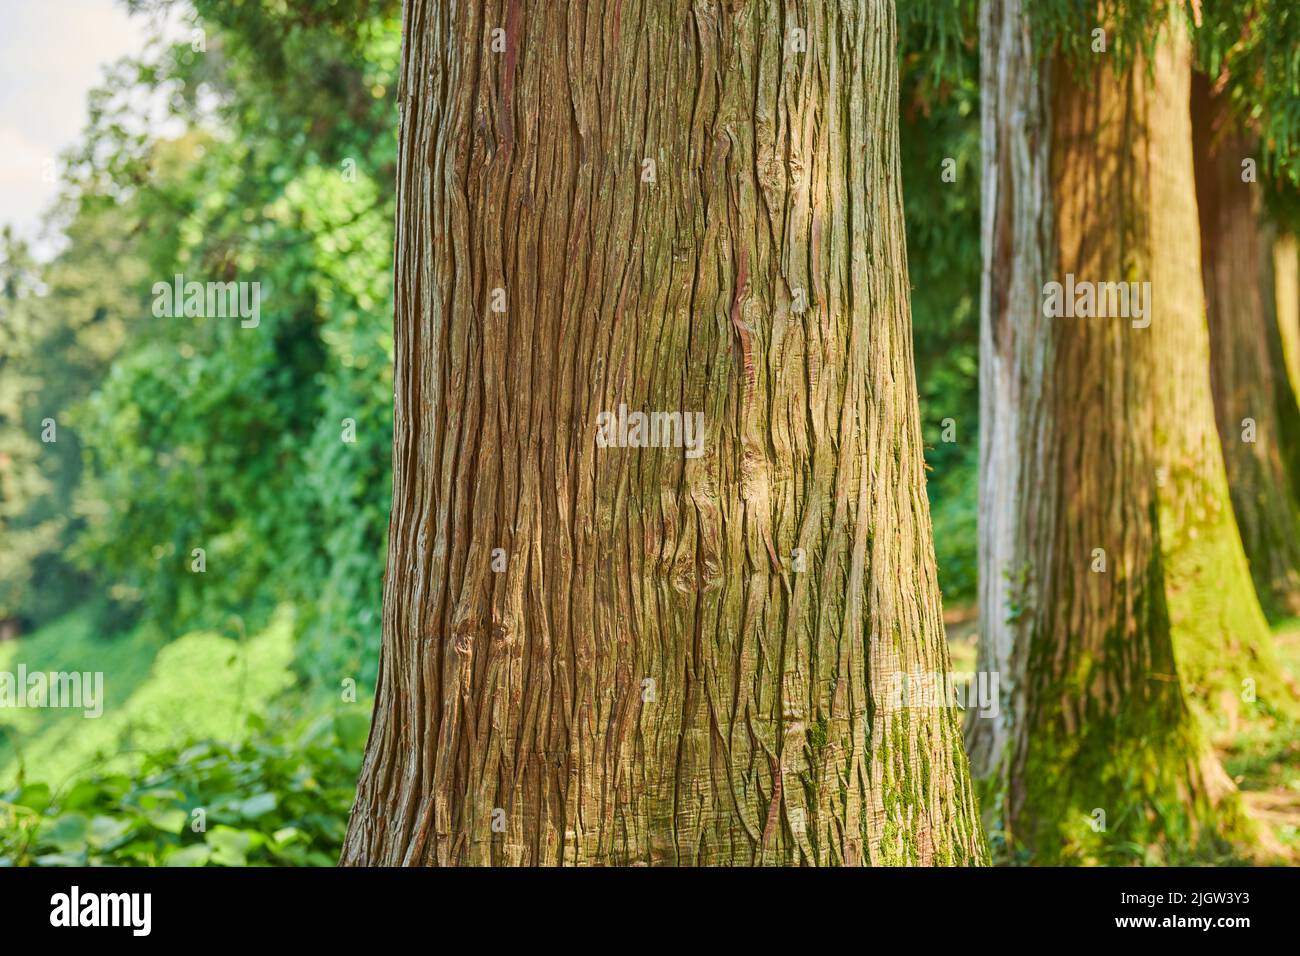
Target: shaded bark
(683, 660)
(1258, 418)
(1091, 428)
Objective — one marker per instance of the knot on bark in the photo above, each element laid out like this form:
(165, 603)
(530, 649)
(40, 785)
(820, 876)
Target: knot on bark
(685, 577)
(463, 638)
(502, 635)
(711, 574)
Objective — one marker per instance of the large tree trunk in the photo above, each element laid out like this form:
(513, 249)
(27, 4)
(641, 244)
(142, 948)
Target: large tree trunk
(1258, 418)
(682, 660)
(1093, 457)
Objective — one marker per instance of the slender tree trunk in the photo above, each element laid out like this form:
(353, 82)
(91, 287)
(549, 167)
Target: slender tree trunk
(1286, 286)
(1093, 456)
(687, 207)
(1258, 418)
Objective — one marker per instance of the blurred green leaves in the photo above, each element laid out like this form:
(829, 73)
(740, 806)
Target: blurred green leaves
(184, 433)
(279, 799)
(939, 122)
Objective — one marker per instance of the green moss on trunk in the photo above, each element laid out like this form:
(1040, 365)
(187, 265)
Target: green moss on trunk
(1104, 503)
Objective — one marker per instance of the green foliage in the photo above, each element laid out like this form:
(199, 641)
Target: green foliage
(27, 531)
(279, 798)
(1067, 27)
(939, 35)
(1250, 49)
(940, 122)
(268, 448)
(1262, 754)
(157, 688)
(198, 721)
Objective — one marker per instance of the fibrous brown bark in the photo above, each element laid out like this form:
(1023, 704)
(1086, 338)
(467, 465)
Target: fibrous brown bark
(1093, 463)
(681, 659)
(1258, 418)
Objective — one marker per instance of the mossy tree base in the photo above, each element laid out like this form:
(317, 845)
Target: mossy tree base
(1104, 505)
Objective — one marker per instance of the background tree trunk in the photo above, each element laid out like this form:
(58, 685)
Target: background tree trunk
(1258, 418)
(1081, 612)
(1286, 285)
(652, 678)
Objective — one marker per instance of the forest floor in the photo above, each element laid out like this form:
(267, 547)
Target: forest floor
(1259, 751)
(1262, 756)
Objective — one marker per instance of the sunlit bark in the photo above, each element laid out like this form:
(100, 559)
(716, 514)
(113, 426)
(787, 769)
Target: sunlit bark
(687, 207)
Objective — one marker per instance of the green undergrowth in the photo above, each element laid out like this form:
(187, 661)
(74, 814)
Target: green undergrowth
(280, 797)
(156, 691)
(210, 751)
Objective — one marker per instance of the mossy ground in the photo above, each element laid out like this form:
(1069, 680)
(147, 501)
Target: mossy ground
(1258, 743)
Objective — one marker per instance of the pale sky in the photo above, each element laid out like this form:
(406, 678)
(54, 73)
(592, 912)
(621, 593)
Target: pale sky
(52, 52)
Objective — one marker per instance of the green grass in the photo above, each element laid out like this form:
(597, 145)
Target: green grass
(1263, 756)
(157, 692)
